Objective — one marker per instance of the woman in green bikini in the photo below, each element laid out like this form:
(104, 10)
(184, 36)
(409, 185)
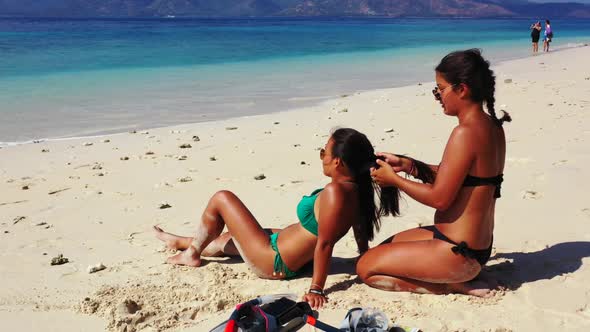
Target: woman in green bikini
(324, 218)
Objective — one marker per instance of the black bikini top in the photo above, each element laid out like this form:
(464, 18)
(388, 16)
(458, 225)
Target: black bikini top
(474, 181)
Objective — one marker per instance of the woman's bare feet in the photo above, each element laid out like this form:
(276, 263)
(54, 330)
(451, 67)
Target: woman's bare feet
(476, 287)
(189, 257)
(484, 285)
(172, 241)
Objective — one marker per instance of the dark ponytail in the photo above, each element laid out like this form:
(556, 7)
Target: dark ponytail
(357, 153)
(470, 68)
(490, 100)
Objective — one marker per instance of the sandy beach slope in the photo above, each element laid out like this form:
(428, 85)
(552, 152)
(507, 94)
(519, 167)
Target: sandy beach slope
(94, 200)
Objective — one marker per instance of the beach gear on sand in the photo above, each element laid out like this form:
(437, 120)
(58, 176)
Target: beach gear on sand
(270, 313)
(365, 320)
(397, 328)
(281, 313)
(319, 324)
(368, 319)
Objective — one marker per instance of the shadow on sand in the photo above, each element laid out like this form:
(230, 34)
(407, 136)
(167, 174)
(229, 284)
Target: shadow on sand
(518, 268)
(510, 270)
(338, 265)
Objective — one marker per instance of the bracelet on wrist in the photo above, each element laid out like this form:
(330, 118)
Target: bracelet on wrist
(317, 292)
(412, 163)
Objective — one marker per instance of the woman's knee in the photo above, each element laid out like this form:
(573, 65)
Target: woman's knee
(364, 267)
(223, 196)
(470, 272)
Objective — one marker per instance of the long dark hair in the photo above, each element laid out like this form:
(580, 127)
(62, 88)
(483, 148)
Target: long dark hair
(470, 68)
(357, 153)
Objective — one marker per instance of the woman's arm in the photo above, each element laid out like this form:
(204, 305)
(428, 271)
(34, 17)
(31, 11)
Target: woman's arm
(457, 159)
(334, 212)
(408, 165)
(362, 242)
(422, 171)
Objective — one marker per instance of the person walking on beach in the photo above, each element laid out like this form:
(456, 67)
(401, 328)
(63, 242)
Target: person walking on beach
(548, 36)
(325, 217)
(448, 256)
(535, 35)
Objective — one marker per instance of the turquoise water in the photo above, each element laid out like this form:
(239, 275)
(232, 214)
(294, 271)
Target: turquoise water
(63, 78)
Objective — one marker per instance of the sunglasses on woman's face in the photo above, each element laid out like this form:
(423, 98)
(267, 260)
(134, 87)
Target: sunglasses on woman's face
(437, 92)
(322, 153)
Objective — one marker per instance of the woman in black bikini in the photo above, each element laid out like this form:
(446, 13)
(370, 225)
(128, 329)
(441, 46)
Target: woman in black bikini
(463, 188)
(535, 35)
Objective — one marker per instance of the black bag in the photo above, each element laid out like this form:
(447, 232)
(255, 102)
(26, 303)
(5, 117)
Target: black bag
(282, 315)
(288, 313)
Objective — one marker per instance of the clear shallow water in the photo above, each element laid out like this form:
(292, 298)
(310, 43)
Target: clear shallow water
(61, 78)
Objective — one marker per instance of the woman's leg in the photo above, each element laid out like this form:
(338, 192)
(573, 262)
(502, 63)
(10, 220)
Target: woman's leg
(250, 239)
(415, 262)
(224, 245)
(545, 48)
(174, 242)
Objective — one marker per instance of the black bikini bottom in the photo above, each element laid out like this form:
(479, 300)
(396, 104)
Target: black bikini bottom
(482, 255)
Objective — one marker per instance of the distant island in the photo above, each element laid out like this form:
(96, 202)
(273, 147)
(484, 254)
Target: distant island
(296, 8)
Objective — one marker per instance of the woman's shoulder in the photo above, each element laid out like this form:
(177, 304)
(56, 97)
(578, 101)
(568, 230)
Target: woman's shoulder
(465, 130)
(337, 187)
(465, 134)
(338, 191)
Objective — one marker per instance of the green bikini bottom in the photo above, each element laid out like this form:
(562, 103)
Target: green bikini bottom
(279, 267)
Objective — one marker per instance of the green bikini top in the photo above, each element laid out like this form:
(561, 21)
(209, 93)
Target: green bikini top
(306, 214)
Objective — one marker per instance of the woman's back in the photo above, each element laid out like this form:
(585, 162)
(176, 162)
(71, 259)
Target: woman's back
(471, 216)
(298, 243)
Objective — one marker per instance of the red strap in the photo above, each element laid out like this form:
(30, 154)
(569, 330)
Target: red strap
(231, 326)
(311, 320)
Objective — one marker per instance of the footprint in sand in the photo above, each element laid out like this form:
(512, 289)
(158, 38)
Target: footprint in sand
(531, 194)
(140, 239)
(560, 162)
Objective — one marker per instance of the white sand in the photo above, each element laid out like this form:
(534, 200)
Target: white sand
(542, 235)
